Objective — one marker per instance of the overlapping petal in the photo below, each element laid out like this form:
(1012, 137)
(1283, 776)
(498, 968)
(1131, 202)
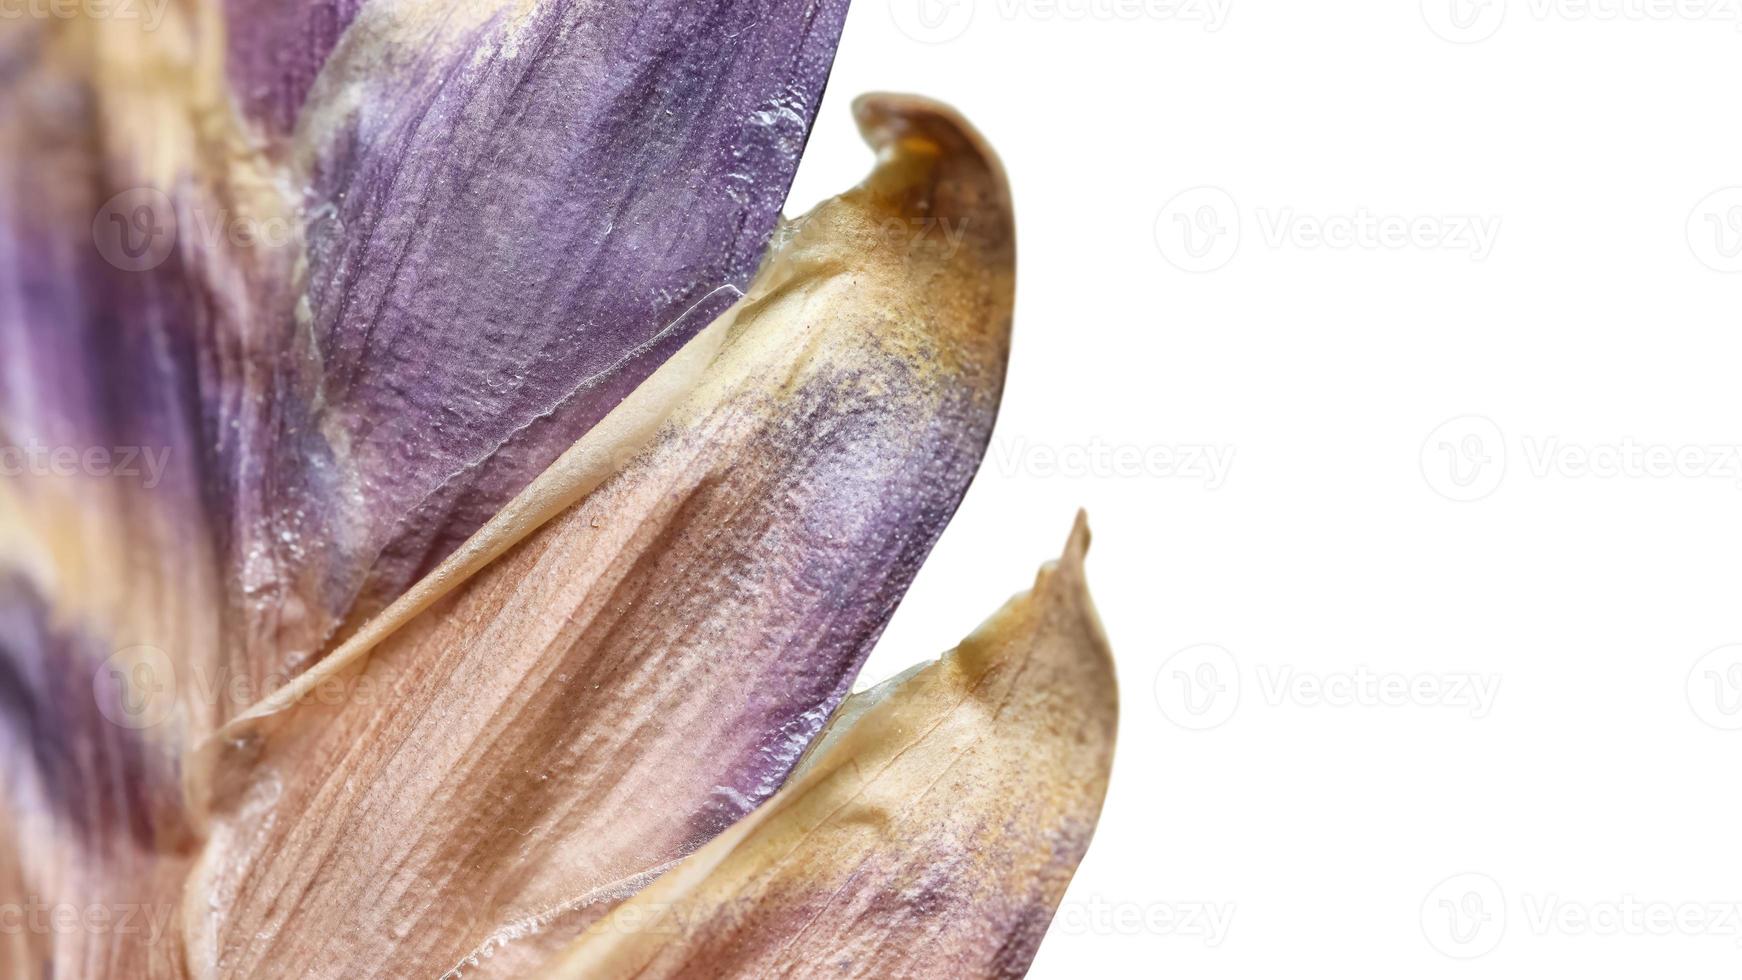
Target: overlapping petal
(931, 833)
(280, 325)
(361, 289)
(644, 670)
(514, 212)
(503, 583)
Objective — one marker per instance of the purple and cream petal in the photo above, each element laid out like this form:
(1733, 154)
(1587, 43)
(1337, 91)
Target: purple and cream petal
(366, 271)
(641, 672)
(304, 298)
(513, 212)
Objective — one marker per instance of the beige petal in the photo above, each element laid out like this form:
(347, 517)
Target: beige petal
(475, 787)
(931, 833)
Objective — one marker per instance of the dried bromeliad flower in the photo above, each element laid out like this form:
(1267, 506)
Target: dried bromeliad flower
(443, 514)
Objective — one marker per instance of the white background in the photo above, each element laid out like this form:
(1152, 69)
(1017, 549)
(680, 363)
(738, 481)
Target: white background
(1589, 354)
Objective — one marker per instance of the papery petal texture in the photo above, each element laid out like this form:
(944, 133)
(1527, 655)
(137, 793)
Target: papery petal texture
(932, 832)
(364, 286)
(641, 672)
(93, 838)
(514, 213)
(108, 587)
(301, 318)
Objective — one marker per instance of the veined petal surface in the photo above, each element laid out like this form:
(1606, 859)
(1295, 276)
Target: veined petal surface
(931, 833)
(357, 331)
(292, 298)
(514, 212)
(639, 673)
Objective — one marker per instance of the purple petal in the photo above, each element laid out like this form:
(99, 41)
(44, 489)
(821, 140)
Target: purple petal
(510, 224)
(504, 220)
(646, 668)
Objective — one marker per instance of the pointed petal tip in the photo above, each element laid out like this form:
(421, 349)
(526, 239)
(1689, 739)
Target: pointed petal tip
(1067, 569)
(1065, 578)
(934, 832)
(1077, 547)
